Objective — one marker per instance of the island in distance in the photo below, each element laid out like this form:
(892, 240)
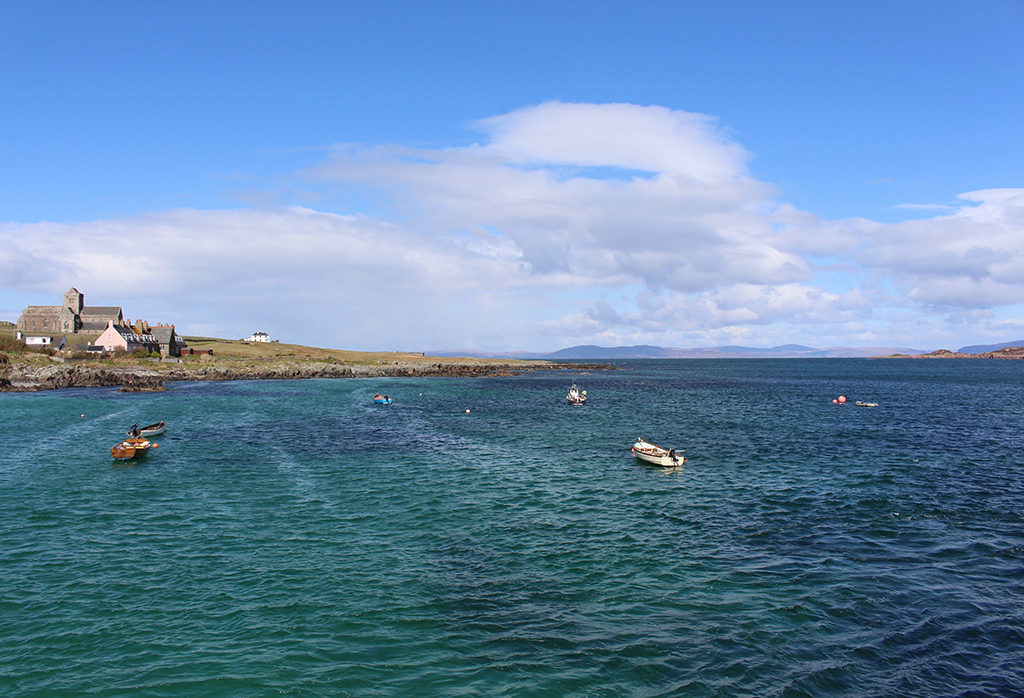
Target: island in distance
(786, 351)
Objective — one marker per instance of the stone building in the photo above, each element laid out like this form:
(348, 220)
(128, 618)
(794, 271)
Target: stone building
(74, 317)
(170, 342)
(40, 322)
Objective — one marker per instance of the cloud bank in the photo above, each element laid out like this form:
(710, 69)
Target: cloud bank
(566, 224)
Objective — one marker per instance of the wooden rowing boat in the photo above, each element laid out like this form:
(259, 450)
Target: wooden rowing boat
(151, 430)
(134, 447)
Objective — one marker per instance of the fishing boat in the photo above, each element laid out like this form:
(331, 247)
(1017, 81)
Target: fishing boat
(151, 430)
(576, 396)
(133, 447)
(656, 455)
(382, 399)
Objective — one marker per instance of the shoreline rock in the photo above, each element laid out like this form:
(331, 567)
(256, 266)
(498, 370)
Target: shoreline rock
(1009, 353)
(142, 384)
(20, 379)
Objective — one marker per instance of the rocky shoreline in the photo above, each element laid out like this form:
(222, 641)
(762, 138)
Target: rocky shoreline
(15, 378)
(1007, 353)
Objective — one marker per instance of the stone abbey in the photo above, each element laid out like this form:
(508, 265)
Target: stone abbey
(74, 317)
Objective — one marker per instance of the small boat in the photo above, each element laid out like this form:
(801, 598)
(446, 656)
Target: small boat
(134, 447)
(656, 455)
(865, 404)
(576, 396)
(382, 399)
(151, 430)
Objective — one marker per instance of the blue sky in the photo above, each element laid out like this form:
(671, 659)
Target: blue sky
(521, 176)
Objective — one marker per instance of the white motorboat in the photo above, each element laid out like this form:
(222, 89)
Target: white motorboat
(576, 396)
(656, 455)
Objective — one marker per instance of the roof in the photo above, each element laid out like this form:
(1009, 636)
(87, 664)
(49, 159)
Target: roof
(128, 334)
(163, 334)
(101, 310)
(43, 310)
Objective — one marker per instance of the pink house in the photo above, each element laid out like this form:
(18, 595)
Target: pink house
(121, 337)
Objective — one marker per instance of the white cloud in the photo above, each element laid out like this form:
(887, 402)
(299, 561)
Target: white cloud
(670, 144)
(697, 222)
(972, 258)
(570, 223)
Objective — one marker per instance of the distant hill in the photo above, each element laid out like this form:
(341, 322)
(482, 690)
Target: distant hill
(982, 348)
(644, 351)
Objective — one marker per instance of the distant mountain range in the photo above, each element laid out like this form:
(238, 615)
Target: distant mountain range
(643, 351)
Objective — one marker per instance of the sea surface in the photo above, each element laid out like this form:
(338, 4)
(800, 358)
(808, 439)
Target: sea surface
(481, 537)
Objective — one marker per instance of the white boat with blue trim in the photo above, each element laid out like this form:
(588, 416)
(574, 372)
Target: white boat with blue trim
(656, 455)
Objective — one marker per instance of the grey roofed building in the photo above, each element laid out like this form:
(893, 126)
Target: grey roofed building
(94, 318)
(43, 340)
(170, 343)
(71, 318)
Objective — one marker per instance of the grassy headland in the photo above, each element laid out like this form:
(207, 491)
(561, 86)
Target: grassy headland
(29, 370)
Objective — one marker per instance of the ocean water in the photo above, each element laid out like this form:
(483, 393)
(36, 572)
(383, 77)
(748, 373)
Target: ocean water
(290, 538)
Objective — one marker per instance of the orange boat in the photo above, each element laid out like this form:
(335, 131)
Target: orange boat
(135, 447)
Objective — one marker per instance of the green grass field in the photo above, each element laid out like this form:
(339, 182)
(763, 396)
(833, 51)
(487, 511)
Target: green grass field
(241, 352)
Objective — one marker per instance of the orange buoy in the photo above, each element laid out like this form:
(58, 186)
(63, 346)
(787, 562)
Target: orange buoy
(842, 399)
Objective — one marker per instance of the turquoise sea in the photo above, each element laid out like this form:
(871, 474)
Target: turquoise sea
(290, 538)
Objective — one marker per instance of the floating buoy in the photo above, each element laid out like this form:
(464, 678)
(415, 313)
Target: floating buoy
(156, 445)
(835, 402)
(82, 415)
(842, 399)
(467, 411)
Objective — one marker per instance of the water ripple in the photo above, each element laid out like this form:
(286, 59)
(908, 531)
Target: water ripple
(290, 538)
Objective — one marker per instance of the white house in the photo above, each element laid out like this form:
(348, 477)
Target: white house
(43, 340)
(259, 337)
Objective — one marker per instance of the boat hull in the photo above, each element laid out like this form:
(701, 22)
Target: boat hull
(130, 449)
(153, 429)
(656, 455)
(575, 396)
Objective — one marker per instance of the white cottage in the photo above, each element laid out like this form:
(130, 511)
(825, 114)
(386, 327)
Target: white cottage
(43, 340)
